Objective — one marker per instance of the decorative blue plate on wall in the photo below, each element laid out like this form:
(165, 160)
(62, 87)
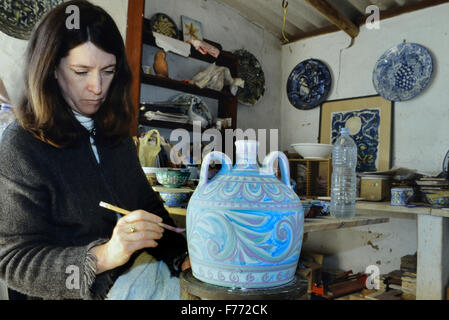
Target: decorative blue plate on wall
(308, 84)
(402, 72)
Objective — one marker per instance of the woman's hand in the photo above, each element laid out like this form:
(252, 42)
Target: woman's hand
(132, 232)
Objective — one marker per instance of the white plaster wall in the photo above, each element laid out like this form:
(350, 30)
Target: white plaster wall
(356, 248)
(420, 127)
(420, 130)
(12, 50)
(223, 25)
(11, 64)
(118, 9)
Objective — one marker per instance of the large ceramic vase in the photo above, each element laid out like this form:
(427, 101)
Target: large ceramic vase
(245, 226)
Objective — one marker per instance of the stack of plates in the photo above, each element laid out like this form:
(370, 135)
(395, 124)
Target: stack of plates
(433, 184)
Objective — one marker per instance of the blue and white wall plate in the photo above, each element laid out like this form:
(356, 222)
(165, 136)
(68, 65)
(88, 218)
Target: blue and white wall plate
(308, 84)
(402, 72)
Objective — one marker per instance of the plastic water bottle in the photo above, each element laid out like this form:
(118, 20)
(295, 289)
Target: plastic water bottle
(6, 117)
(344, 180)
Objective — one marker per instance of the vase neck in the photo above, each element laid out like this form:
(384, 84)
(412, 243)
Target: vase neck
(246, 154)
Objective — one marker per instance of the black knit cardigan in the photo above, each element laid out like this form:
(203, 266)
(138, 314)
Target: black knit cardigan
(50, 215)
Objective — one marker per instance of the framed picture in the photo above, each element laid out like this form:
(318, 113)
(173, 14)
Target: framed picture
(369, 120)
(191, 29)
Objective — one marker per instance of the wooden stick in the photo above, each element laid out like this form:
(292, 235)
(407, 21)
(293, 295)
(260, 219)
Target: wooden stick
(125, 212)
(114, 208)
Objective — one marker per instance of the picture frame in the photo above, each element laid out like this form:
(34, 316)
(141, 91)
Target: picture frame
(369, 120)
(191, 29)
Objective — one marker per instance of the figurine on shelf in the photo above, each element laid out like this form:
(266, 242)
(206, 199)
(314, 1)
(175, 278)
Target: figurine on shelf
(160, 66)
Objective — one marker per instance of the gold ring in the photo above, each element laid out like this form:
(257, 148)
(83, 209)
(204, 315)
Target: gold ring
(132, 229)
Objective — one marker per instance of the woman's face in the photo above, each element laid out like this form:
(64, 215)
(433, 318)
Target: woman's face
(84, 77)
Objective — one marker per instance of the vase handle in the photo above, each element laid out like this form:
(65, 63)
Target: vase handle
(268, 162)
(226, 165)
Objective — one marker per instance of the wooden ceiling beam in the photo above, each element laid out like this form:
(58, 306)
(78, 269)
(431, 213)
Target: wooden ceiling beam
(335, 16)
(314, 33)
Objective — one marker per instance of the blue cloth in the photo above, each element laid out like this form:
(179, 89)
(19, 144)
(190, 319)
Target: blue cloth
(146, 279)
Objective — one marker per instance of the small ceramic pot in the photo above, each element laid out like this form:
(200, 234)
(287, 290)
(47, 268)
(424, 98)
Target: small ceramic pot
(401, 196)
(146, 69)
(174, 199)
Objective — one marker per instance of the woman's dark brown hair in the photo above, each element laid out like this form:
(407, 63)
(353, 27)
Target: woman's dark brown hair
(43, 110)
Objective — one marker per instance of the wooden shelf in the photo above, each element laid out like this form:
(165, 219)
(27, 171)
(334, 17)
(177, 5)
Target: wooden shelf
(372, 207)
(225, 58)
(172, 125)
(165, 124)
(441, 212)
(311, 160)
(184, 86)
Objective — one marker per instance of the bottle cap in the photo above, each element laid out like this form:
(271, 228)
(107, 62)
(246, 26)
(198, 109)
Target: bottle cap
(5, 106)
(344, 131)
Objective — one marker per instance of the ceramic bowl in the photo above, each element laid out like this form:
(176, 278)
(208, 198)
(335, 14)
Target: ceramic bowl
(171, 177)
(174, 199)
(313, 150)
(438, 199)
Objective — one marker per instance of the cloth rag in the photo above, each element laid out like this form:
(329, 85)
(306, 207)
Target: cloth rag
(146, 279)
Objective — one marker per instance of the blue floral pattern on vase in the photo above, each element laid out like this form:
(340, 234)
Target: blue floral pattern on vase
(245, 226)
(402, 72)
(308, 84)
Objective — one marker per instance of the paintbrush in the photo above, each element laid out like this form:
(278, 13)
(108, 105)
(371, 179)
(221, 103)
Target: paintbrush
(125, 212)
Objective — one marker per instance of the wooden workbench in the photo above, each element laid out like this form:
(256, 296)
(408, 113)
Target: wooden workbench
(384, 208)
(432, 243)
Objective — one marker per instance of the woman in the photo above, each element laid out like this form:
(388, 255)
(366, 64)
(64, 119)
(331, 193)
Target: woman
(69, 150)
